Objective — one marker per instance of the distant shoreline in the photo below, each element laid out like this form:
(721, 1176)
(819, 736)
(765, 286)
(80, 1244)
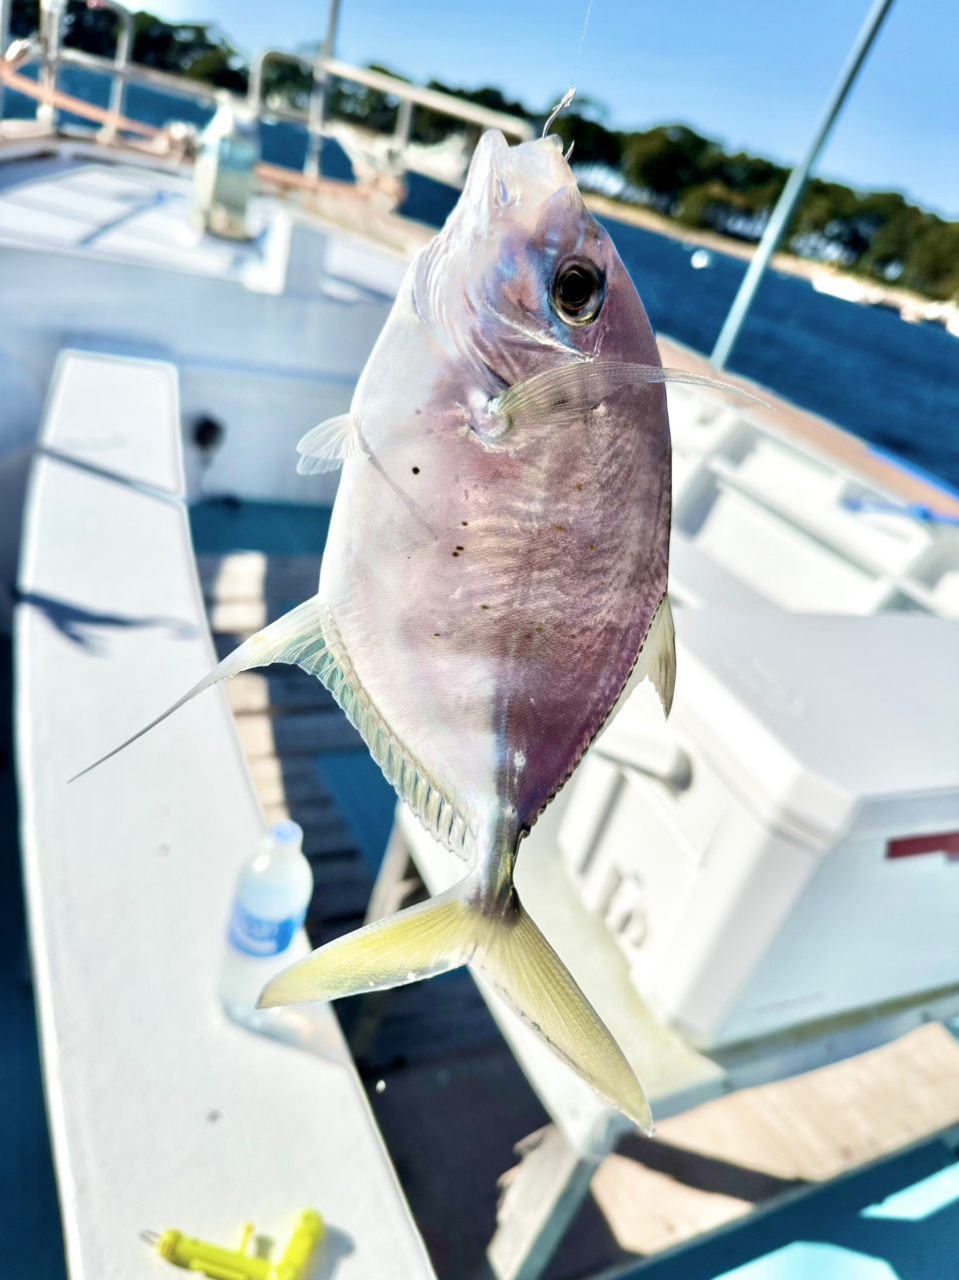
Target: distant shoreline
(911, 306)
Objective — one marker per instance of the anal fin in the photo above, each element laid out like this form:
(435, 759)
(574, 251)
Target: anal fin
(297, 637)
(656, 662)
(308, 637)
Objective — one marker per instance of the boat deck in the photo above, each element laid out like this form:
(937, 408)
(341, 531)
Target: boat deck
(446, 1090)
(455, 1104)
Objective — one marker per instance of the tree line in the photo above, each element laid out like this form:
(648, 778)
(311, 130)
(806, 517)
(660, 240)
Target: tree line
(670, 168)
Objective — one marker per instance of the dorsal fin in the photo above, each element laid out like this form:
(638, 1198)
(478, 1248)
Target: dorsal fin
(657, 659)
(329, 445)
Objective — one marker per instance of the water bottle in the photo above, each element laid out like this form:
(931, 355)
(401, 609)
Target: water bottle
(266, 932)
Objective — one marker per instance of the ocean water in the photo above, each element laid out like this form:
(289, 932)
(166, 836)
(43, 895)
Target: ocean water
(895, 385)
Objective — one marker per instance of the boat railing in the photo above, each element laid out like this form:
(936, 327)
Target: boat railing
(48, 51)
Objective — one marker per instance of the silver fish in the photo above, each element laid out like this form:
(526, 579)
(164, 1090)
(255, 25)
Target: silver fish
(494, 582)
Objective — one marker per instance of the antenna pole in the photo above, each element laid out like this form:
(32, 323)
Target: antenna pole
(6, 13)
(318, 97)
(797, 180)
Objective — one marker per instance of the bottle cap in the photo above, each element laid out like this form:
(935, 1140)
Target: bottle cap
(287, 833)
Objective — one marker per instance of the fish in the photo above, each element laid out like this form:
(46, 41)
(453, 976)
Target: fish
(494, 582)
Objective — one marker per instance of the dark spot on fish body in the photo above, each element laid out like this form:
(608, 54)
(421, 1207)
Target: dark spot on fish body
(579, 488)
(416, 471)
(560, 528)
(465, 524)
(540, 630)
(456, 555)
(417, 410)
(460, 548)
(592, 546)
(484, 606)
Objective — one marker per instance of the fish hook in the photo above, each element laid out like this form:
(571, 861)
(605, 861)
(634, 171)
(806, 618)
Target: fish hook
(560, 106)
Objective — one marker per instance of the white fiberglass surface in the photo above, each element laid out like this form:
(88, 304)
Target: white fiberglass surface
(72, 200)
(697, 419)
(126, 214)
(812, 494)
(20, 223)
(780, 562)
(358, 262)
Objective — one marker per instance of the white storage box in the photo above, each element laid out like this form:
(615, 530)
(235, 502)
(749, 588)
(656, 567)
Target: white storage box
(796, 526)
(787, 847)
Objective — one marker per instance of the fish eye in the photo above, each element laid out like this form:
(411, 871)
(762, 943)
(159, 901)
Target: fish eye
(579, 292)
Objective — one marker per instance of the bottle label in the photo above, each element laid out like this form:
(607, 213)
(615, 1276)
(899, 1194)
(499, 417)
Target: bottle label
(258, 937)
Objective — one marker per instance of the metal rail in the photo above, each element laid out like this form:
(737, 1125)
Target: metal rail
(409, 95)
(6, 12)
(123, 70)
(121, 57)
(444, 103)
(794, 187)
(314, 126)
(54, 100)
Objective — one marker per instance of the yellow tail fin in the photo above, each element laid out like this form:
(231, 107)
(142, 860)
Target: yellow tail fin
(504, 946)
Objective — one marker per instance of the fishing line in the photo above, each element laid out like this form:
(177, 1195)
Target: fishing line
(571, 92)
(582, 41)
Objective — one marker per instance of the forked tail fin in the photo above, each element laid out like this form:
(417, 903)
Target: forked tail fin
(515, 958)
(506, 948)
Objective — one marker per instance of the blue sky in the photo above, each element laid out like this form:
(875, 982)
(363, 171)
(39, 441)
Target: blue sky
(752, 73)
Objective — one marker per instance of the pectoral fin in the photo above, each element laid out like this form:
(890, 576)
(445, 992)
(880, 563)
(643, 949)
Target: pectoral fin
(563, 395)
(329, 445)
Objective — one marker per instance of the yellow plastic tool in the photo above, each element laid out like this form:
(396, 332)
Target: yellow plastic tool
(236, 1264)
